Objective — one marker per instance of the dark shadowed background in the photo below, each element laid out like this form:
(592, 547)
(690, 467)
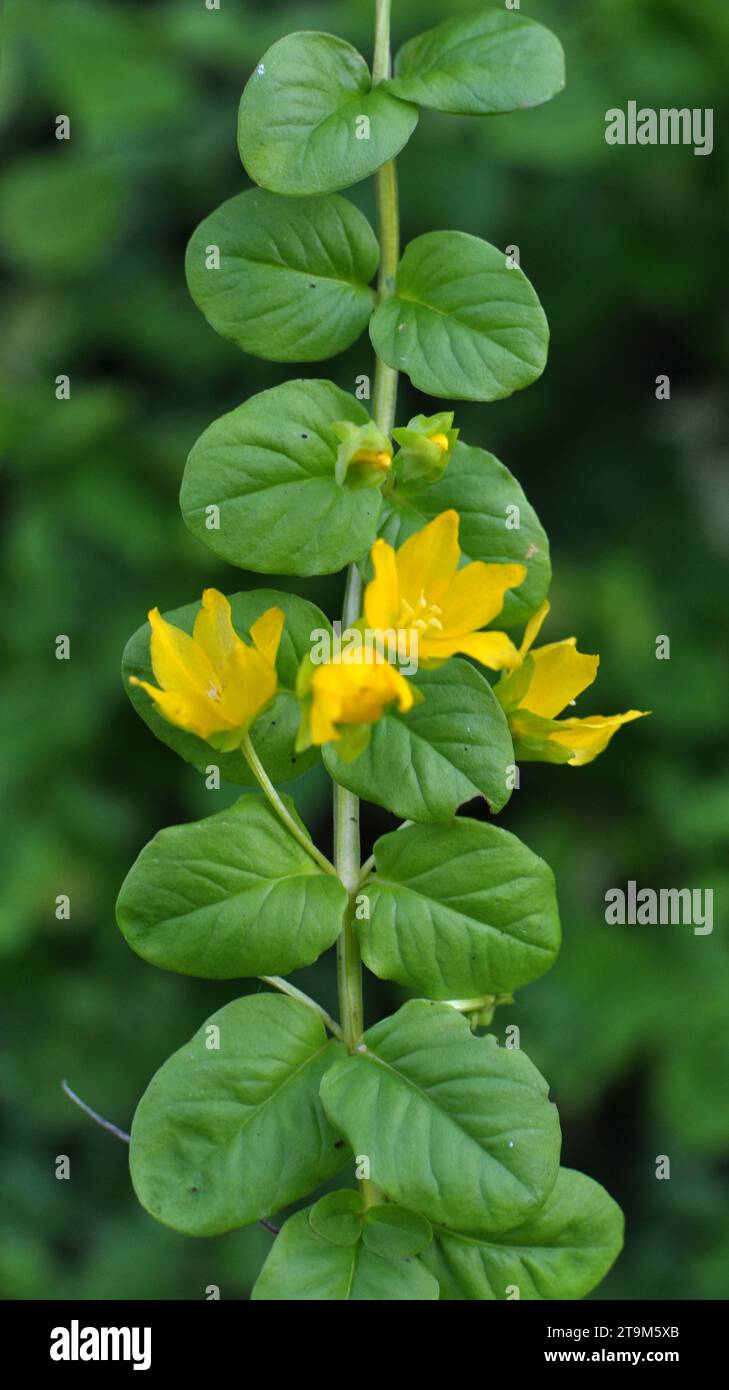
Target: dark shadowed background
(627, 249)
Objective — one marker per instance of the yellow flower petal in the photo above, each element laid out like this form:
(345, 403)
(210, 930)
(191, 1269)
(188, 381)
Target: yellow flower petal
(428, 560)
(193, 713)
(402, 690)
(588, 737)
(382, 595)
(561, 673)
(492, 649)
(354, 693)
(213, 630)
(476, 595)
(533, 627)
(250, 682)
(178, 662)
(378, 458)
(266, 633)
(324, 710)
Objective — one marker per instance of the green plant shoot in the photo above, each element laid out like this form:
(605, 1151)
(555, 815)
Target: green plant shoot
(426, 693)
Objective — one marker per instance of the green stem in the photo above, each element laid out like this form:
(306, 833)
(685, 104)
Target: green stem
(269, 791)
(381, 60)
(287, 988)
(346, 858)
(346, 805)
(384, 399)
(388, 230)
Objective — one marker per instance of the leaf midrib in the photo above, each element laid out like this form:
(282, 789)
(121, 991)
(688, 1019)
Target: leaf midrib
(373, 1056)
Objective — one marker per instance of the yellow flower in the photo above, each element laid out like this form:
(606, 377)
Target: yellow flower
(549, 679)
(213, 684)
(341, 700)
(421, 589)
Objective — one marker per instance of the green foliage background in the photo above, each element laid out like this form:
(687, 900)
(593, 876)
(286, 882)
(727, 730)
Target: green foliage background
(626, 247)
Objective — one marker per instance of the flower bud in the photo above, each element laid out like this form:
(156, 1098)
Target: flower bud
(426, 445)
(364, 456)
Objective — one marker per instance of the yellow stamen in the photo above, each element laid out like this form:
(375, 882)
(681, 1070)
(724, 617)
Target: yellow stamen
(428, 615)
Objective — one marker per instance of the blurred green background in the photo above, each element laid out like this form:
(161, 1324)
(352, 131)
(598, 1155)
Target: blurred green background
(627, 248)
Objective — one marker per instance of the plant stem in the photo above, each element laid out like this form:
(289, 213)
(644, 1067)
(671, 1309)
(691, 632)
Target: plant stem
(346, 858)
(381, 60)
(388, 230)
(286, 987)
(269, 791)
(346, 805)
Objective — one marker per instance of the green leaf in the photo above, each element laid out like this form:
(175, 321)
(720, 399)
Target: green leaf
(274, 732)
(458, 911)
(337, 1217)
(561, 1252)
(292, 282)
(479, 65)
(395, 1233)
(300, 126)
(497, 525)
(304, 1266)
(386, 1230)
(461, 323)
(269, 468)
(232, 895)
(455, 1127)
(225, 1135)
(423, 765)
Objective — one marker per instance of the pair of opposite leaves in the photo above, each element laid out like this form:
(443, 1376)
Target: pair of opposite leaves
(464, 322)
(227, 1134)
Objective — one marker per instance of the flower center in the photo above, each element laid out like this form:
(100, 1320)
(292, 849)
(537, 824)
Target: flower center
(423, 616)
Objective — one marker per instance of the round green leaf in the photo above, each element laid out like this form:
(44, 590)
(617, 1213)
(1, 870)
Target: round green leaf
(274, 732)
(497, 525)
(461, 323)
(561, 1252)
(231, 1128)
(455, 1127)
(459, 910)
(395, 1233)
(310, 120)
(232, 895)
(423, 765)
(481, 64)
(269, 468)
(292, 283)
(304, 1266)
(337, 1218)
